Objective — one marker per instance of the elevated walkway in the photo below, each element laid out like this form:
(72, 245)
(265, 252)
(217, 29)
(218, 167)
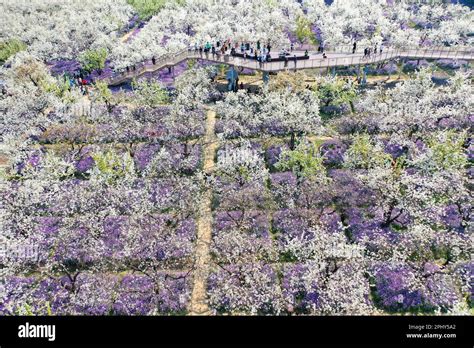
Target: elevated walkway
(315, 61)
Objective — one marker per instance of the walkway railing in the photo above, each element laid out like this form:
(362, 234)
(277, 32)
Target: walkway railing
(314, 62)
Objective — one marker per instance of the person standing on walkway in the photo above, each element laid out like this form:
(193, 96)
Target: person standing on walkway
(258, 44)
(354, 47)
(269, 48)
(292, 47)
(375, 49)
(381, 48)
(306, 54)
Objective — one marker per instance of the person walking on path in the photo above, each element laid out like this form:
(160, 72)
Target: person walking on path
(354, 47)
(292, 47)
(258, 44)
(375, 49)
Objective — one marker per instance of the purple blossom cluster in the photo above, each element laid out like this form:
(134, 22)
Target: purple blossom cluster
(97, 294)
(272, 155)
(241, 234)
(84, 197)
(402, 287)
(166, 76)
(233, 196)
(60, 67)
(397, 288)
(181, 157)
(333, 152)
(104, 73)
(120, 238)
(413, 65)
(244, 288)
(300, 291)
(148, 125)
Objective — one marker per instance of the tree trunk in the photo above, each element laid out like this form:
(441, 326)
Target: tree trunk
(351, 104)
(292, 141)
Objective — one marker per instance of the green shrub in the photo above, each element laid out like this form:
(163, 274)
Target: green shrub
(94, 60)
(9, 48)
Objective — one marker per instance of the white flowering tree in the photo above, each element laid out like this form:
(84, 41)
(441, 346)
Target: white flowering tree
(63, 29)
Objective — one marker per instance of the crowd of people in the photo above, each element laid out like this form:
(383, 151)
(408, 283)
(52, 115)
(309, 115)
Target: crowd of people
(254, 50)
(77, 79)
(368, 51)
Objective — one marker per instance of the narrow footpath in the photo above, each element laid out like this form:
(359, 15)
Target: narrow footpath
(199, 304)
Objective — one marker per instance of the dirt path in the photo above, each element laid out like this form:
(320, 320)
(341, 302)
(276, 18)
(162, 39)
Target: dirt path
(127, 35)
(198, 304)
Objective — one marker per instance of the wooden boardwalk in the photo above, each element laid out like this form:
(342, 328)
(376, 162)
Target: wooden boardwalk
(315, 61)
